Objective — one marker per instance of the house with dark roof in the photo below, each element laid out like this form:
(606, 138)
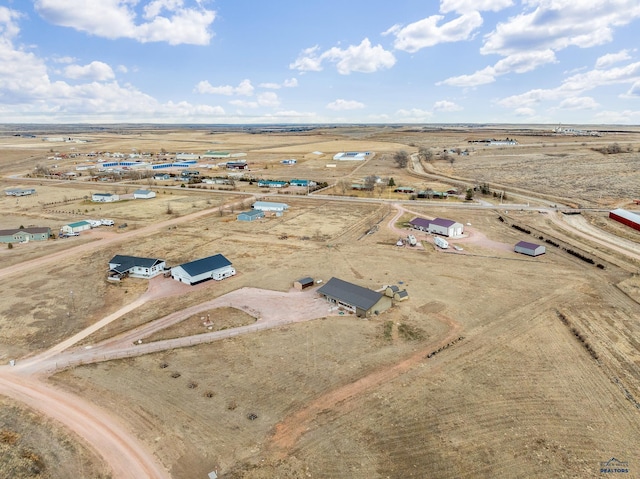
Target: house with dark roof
(420, 224)
(23, 235)
(213, 267)
(362, 301)
(134, 266)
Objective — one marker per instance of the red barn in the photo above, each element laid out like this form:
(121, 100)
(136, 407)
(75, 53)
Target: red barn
(626, 218)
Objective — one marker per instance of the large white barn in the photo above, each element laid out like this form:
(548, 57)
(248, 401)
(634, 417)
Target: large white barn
(213, 267)
(445, 227)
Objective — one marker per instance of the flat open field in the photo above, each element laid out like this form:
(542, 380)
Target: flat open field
(537, 364)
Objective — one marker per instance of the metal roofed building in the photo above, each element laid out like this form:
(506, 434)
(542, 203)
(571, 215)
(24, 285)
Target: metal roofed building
(420, 224)
(626, 218)
(213, 267)
(530, 249)
(20, 191)
(135, 266)
(362, 301)
(76, 227)
(22, 235)
(445, 227)
(269, 206)
(250, 215)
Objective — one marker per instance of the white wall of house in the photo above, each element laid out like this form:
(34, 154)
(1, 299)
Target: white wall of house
(179, 274)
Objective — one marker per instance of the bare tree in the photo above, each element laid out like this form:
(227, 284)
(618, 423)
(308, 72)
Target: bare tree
(425, 154)
(401, 158)
(370, 182)
(343, 186)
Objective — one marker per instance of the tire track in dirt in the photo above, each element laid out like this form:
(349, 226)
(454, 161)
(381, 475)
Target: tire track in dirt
(291, 429)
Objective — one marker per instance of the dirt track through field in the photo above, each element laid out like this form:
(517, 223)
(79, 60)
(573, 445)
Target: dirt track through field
(291, 429)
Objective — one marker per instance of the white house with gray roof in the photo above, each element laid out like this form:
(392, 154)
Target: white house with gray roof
(213, 267)
(134, 266)
(362, 301)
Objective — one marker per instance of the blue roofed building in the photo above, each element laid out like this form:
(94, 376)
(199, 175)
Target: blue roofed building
(250, 215)
(213, 267)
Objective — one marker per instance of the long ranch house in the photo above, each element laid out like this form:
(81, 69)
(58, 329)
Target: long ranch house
(213, 267)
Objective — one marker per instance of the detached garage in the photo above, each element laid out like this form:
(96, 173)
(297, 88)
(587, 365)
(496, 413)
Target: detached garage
(213, 267)
(445, 227)
(530, 249)
(626, 218)
(76, 227)
(250, 215)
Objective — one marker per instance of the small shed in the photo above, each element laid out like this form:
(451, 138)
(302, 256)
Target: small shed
(250, 215)
(76, 227)
(530, 249)
(303, 283)
(391, 290)
(401, 295)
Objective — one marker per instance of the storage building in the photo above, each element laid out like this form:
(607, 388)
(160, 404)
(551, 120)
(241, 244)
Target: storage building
(269, 206)
(213, 267)
(445, 227)
(530, 249)
(144, 194)
(626, 218)
(104, 197)
(420, 224)
(303, 283)
(362, 301)
(76, 227)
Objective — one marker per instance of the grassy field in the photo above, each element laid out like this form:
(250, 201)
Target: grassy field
(542, 380)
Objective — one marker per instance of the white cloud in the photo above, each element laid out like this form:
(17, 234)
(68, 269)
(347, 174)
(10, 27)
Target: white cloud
(268, 98)
(634, 91)
(288, 83)
(341, 105)
(427, 33)
(465, 6)
(163, 20)
(578, 103)
(94, 71)
(481, 77)
(609, 59)
(445, 105)
(414, 115)
(525, 112)
(244, 88)
(575, 85)
(558, 24)
(363, 58)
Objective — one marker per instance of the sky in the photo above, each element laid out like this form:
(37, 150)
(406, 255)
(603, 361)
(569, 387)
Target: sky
(311, 61)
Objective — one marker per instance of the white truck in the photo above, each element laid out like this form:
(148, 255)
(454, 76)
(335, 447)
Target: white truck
(412, 240)
(441, 242)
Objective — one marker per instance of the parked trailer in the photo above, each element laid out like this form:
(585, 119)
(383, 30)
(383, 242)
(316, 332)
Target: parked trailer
(412, 240)
(441, 242)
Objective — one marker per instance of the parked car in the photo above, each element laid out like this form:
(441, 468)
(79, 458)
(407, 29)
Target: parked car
(107, 222)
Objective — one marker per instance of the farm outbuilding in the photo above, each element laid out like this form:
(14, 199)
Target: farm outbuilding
(76, 227)
(136, 267)
(213, 267)
(20, 191)
(22, 235)
(445, 227)
(144, 194)
(250, 215)
(391, 290)
(402, 295)
(420, 224)
(626, 218)
(269, 206)
(530, 249)
(303, 283)
(362, 301)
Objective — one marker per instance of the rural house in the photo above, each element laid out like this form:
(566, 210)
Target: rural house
(23, 235)
(250, 215)
(134, 266)
(269, 206)
(213, 267)
(362, 301)
(104, 197)
(20, 191)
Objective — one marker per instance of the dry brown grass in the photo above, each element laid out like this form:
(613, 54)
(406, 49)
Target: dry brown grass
(519, 397)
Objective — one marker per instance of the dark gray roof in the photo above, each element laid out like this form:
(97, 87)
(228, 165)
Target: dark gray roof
(32, 230)
(394, 288)
(445, 223)
(307, 280)
(524, 244)
(125, 263)
(350, 293)
(420, 222)
(203, 265)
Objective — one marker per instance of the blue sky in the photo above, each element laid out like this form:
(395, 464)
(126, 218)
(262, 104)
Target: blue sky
(329, 61)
